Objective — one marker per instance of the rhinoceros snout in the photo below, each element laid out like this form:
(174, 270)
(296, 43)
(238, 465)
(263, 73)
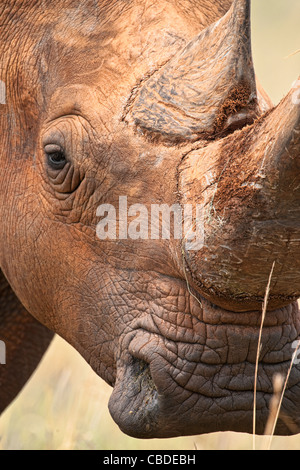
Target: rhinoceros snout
(182, 375)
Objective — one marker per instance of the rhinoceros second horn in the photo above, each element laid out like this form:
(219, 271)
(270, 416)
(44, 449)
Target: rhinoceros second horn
(207, 88)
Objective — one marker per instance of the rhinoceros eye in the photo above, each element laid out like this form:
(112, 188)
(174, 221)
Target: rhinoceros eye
(55, 156)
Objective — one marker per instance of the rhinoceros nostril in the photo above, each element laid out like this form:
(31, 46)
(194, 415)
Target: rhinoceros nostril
(142, 374)
(134, 401)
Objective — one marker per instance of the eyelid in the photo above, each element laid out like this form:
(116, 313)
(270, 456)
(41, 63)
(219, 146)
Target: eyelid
(52, 148)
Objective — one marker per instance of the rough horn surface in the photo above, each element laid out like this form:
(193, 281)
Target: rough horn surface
(205, 89)
(249, 187)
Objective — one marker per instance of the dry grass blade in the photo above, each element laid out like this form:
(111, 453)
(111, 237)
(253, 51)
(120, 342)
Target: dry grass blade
(278, 382)
(264, 311)
(290, 424)
(282, 394)
(186, 278)
(292, 54)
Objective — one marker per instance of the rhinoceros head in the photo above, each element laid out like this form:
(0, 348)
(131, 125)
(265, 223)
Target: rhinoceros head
(115, 111)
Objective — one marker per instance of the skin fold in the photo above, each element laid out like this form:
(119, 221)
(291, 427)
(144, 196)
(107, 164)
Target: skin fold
(26, 340)
(116, 87)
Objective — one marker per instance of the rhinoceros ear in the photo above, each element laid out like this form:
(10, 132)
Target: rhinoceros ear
(207, 87)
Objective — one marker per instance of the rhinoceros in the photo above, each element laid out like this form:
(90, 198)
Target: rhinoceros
(156, 103)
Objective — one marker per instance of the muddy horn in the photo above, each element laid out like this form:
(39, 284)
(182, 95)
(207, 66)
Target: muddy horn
(207, 88)
(248, 185)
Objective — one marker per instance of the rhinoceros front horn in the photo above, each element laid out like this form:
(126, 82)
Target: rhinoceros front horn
(248, 186)
(207, 88)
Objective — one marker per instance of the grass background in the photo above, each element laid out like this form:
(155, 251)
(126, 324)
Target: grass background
(64, 405)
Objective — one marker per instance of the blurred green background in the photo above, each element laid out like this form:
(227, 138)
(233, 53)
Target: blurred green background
(64, 406)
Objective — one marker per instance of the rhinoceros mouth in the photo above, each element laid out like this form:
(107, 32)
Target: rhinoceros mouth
(170, 384)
